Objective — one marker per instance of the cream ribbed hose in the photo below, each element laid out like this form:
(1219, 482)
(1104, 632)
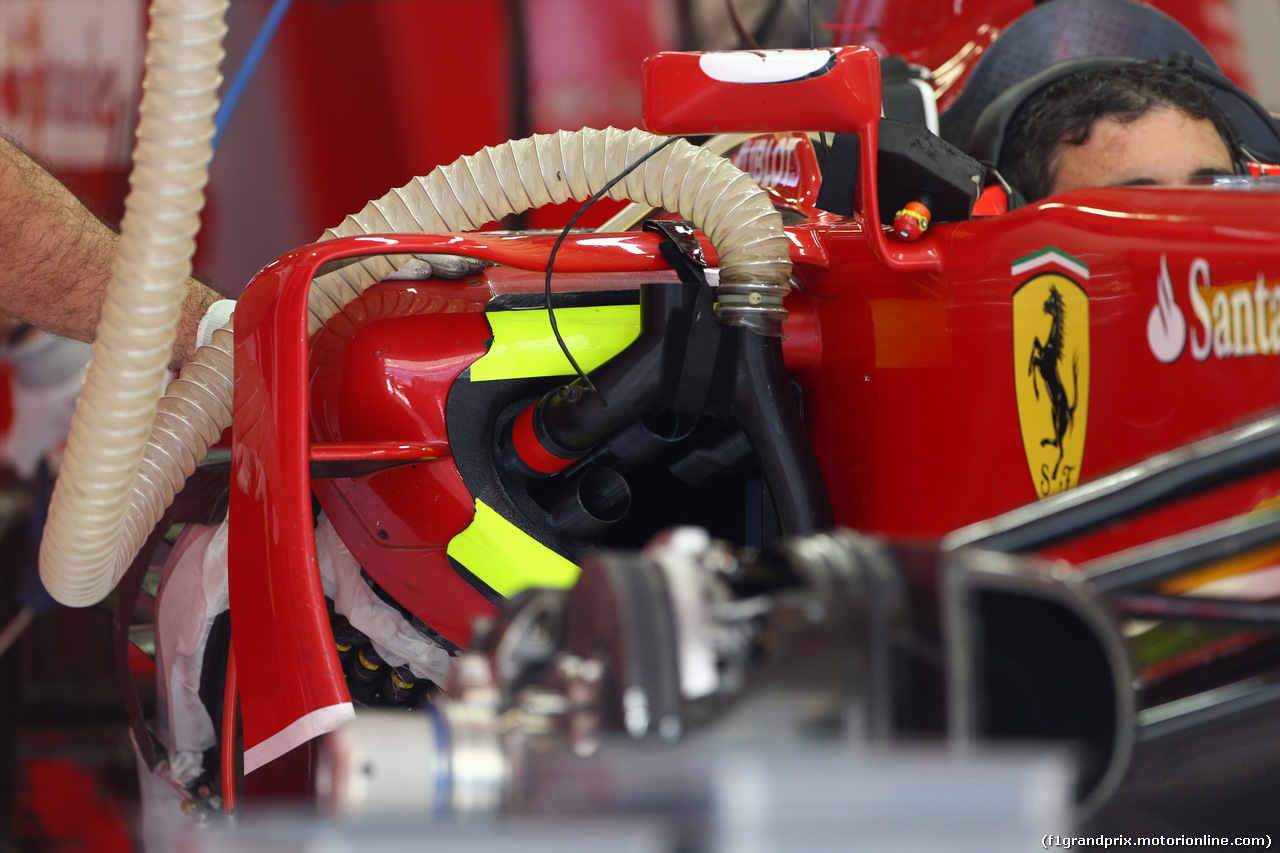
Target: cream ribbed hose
(129, 455)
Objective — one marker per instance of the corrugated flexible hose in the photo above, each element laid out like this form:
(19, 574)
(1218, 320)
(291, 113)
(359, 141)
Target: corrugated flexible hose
(115, 487)
(107, 497)
(706, 189)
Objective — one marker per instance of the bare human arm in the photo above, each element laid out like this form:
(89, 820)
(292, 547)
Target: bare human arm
(56, 258)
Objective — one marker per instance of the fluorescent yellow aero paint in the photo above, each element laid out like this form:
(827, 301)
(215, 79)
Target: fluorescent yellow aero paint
(506, 558)
(524, 345)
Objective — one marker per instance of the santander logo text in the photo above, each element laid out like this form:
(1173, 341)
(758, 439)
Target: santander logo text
(1231, 321)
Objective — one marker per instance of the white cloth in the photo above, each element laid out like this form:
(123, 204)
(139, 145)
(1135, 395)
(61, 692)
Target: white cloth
(193, 592)
(393, 637)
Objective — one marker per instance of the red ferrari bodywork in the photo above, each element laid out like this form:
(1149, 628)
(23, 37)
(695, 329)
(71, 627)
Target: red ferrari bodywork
(927, 372)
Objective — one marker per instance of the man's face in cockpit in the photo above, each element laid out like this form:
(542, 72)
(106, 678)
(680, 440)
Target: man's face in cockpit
(1162, 147)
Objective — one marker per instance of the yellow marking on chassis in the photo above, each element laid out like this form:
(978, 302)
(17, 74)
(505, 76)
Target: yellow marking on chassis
(506, 558)
(525, 346)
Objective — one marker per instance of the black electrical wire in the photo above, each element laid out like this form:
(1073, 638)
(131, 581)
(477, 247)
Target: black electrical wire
(518, 75)
(551, 259)
(745, 39)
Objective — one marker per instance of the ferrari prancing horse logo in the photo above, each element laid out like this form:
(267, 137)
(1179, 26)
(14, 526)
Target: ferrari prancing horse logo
(1051, 367)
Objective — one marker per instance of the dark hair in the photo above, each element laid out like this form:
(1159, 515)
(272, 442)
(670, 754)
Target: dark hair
(1066, 109)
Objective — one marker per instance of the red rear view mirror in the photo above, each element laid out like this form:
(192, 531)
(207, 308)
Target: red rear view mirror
(756, 91)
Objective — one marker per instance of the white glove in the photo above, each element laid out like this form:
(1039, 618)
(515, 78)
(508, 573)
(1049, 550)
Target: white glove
(440, 266)
(48, 372)
(218, 315)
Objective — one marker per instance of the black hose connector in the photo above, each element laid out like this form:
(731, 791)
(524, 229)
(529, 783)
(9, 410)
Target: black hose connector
(586, 502)
(568, 422)
(679, 364)
(765, 406)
